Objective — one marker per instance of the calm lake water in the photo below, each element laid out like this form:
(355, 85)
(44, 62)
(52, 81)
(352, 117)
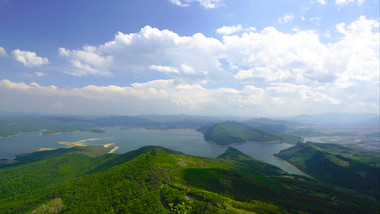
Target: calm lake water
(187, 141)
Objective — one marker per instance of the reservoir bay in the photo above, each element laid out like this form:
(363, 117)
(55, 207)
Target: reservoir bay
(187, 141)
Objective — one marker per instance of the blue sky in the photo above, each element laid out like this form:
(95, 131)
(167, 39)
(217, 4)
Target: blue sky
(205, 57)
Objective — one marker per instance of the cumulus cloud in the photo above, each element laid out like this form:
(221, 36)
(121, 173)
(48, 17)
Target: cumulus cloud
(285, 18)
(300, 57)
(167, 96)
(269, 55)
(208, 4)
(276, 56)
(263, 73)
(28, 58)
(357, 54)
(87, 62)
(165, 69)
(345, 2)
(295, 69)
(3, 53)
(163, 95)
(227, 30)
(138, 52)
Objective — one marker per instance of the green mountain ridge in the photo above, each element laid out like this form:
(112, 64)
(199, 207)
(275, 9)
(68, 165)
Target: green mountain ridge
(226, 133)
(157, 180)
(92, 151)
(337, 165)
(60, 124)
(45, 125)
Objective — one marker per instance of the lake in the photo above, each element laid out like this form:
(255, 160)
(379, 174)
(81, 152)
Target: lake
(187, 141)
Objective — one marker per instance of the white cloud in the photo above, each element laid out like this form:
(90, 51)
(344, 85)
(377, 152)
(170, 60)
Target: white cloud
(164, 95)
(315, 19)
(165, 69)
(263, 73)
(227, 30)
(357, 54)
(273, 55)
(3, 53)
(208, 4)
(301, 58)
(322, 2)
(269, 55)
(24, 87)
(28, 58)
(295, 69)
(285, 18)
(40, 74)
(303, 93)
(345, 2)
(87, 62)
(137, 52)
(167, 96)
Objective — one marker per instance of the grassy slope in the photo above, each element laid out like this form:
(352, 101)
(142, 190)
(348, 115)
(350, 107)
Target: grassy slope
(337, 165)
(157, 180)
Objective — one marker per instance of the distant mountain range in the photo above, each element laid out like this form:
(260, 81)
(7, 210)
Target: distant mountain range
(331, 118)
(337, 118)
(13, 124)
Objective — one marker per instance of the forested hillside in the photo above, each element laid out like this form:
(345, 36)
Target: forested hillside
(57, 124)
(337, 165)
(158, 180)
(47, 126)
(229, 132)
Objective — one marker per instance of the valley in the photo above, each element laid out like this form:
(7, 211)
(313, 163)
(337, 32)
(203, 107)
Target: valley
(189, 107)
(184, 164)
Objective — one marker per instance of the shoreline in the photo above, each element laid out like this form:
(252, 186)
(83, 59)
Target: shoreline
(82, 142)
(241, 143)
(56, 133)
(18, 134)
(9, 136)
(114, 149)
(79, 142)
(108, 144)
(46, 149)
(41, 133)
(294, 167)
(8, 161)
